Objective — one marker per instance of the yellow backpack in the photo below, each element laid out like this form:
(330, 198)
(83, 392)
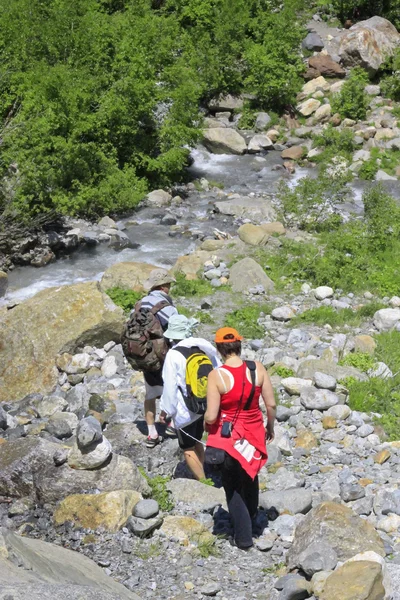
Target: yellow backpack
(198, 366)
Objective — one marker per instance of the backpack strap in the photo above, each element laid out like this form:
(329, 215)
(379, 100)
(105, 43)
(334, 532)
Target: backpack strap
(159, 306)
(251, 365)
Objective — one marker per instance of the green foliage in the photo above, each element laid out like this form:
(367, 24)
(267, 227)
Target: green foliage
(191, 287)
(312, 204)
(363, 9)
(282, 371)
(335, 143)
(207, 481)
(360, 360)
(206, 547)
(159, 492)
(146, 551)
(381, 395)
(352, 101)
(337, 318)
(245, 320)
(387, 160)
(247, 119)
(126, 299)
(202, 316)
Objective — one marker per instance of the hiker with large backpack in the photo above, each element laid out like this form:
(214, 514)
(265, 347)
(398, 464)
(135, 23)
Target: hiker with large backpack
(237, 437)
(185, 372)
(145, 346)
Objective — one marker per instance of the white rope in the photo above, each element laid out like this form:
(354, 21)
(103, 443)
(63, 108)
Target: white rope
(193, 438)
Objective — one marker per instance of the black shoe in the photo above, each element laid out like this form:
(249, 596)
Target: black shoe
(153, 442)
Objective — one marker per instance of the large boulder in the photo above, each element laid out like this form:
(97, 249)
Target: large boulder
(126, 275)
(242, 207)
(56, 320)
(226, 103)
(191, 264)
(110, 510)
(220, 140)
(386, 318)
(292, 501)
(253, 234)
(246, 274)
(43, 571)
(368, 44)
(196, 495)
(310, 366)
(338, 526)
(358, 580)
(3, 283)
(158, 198)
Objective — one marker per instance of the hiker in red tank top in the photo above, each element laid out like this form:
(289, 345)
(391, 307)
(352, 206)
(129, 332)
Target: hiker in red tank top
(235, 425)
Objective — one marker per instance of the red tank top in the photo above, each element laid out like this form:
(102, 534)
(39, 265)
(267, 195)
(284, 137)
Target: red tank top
(246, 424)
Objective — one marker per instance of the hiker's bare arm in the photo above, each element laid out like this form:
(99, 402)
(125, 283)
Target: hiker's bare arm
(267, 393)
(213, 399)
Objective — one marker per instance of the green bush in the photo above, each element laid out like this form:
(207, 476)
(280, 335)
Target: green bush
(282, 371)
(159, 490)
(352, 101)
(191, 287)
(126, 299)
(337, 318)
(360, 360)
(245, 320)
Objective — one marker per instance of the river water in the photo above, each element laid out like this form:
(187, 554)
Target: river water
(239, 174)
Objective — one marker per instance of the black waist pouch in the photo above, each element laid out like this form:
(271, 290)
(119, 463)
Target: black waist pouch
(214, 456)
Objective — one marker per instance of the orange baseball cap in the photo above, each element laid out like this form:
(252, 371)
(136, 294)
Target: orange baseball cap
(226, 335)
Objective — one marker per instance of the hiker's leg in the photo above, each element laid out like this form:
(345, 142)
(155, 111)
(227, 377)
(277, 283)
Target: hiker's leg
(249, 493)
(231, 480)
(189, 441)
(199, 449)
(154, 385)
(194, 463)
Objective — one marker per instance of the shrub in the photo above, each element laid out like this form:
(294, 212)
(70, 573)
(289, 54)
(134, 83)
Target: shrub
(245, 320)
(360, 360)
(352, 101)
(159, 490)
(191, 287)
(282, 371)
(126, 299)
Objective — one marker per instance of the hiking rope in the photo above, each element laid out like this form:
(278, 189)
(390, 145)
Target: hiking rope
(193, 438)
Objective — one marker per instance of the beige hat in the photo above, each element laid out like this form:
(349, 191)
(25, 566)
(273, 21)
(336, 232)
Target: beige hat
(157, 278)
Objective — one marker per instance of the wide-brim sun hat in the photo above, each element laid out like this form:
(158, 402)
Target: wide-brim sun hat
(225, 335)
(180, 327)
(157, 278)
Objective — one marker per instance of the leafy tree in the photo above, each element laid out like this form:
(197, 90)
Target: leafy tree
(352, 100)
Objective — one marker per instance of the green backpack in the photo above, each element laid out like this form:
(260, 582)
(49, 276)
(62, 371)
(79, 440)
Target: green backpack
(198, 367)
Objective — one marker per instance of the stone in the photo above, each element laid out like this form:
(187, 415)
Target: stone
(359, 580)
(308, 107)
(338, 526)
(266, 541)
(314, 399)
(326, 66)
(48, 571)
(108, 223)
(386, 318)
(258, 143)
(340, 412)
(318, 556)
(191, 264)
(323, 292)
(365, 430)
(309, 367)
(211, 589)
(306, 439)
(158, 198)
(293, 153)
(226, 103)
(368, 44)
(126, 275)
(254, 235)
(284, 479)
(282, 313)
(275, 228)
(390, 502)
(322, 113)
(90, 457)
(351, 491)
(291, 500)
(196, 495)
(324, 381)
(247, 273)
(295, 589)
(381, 457)
(385, 133)
(383, 176)
(109, 367)
(312, 42)
(329, 422)
(49, 405)
(145, 509)
(143, 528)
(3, 283)
(88, 431)
(365, 344)
(224, 141)
(185, 529)
(294, 385)
(59, 319)
(110, 510)
(389, 524)
(316, 85)
(262, 121)
(242, 207)
(62, 425)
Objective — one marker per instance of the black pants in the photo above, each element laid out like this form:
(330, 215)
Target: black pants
(242, 499)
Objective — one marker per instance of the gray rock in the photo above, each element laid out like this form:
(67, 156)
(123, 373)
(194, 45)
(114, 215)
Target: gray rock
(295, 589)
(88, 431)
(292, 500)
(143, 527)
(247, 273)
(365, 430)
(3, 418)
(314, 399)
(50, 405)
(198, 496)
(284, 580)
(282, 313)
(284, 479)
(145, 509)
(262, 121)
(322, 292)
(391, 503)
(49, 571)
(324, 381)
(351, 491)
(318, 556)
(62, 425)
(90, 457)
(282, 413)
(313, 42)
(211, 589)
